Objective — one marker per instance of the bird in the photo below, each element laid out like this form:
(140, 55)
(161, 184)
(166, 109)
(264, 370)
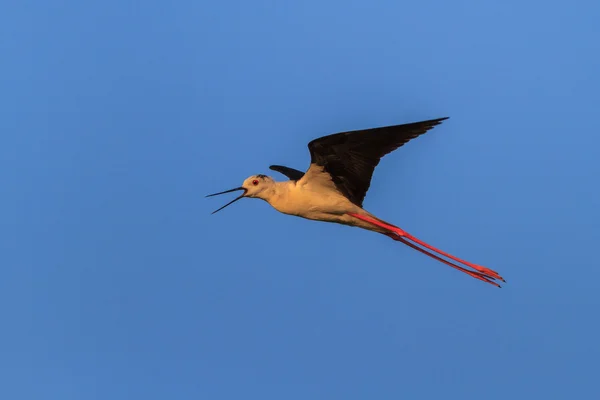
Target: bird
(334, 186)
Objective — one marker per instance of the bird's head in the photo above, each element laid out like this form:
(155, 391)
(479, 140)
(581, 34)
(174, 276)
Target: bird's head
(256, 186)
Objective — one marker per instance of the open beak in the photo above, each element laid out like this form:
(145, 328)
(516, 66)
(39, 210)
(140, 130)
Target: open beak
(232, 201)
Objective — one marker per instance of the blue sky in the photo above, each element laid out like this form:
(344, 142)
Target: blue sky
(116, 119)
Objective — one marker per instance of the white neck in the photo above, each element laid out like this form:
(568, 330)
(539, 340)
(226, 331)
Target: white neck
(276, 191)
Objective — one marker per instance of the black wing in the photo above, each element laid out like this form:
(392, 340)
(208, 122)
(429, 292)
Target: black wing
(291, 173)
(351, 157)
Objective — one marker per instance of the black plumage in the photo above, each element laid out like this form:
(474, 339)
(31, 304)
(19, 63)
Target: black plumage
(351, 157)
(291, 173)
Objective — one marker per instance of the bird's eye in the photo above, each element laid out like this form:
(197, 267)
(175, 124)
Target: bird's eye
(255, 182)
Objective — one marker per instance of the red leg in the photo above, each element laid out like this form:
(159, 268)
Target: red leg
(403, 235)
(476, 275)
(477, 267)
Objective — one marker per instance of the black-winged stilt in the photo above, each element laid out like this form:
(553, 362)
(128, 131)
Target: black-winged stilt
(335, 184)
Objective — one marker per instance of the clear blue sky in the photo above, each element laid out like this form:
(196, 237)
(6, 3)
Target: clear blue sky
(117, 117)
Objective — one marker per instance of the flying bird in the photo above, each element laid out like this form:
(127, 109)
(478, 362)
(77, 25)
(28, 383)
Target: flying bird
(334, 187)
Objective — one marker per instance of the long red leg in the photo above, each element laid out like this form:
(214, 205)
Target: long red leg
(476, 275)
(485, 272)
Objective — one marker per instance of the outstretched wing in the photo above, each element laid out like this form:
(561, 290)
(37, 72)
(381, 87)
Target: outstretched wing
(291, 173)
(351, 157)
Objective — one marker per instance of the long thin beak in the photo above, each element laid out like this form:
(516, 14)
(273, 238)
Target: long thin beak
(232, 201)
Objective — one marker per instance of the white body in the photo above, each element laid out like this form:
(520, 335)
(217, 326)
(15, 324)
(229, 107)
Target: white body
(313, 197)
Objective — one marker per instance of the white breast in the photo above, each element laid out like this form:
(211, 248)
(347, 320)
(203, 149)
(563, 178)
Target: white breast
(310, 201)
